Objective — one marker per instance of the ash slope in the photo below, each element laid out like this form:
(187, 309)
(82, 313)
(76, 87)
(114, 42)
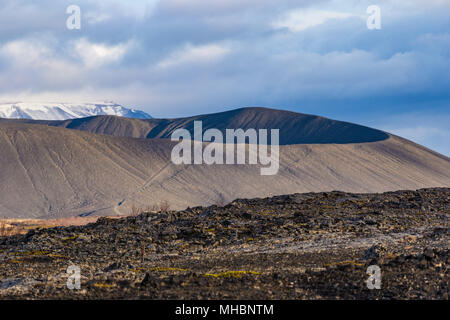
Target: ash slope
(300, 246)
(52, 172)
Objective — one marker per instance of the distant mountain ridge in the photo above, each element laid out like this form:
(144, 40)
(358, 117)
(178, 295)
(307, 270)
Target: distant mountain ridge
(64, 111)
(295, 128)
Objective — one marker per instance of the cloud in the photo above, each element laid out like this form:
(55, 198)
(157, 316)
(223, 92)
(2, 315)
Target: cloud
(194, 54)
(30, 64)
(25, 52)
(299, 20)
(221, 7)
(95, 55)
(97, 17)
(425, 128)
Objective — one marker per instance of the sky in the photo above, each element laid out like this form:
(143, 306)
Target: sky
(174, 58)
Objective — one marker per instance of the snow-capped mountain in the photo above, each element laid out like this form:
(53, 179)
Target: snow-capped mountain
(63, 111)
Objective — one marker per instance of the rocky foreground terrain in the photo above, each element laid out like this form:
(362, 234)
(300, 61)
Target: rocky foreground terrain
(300, 246)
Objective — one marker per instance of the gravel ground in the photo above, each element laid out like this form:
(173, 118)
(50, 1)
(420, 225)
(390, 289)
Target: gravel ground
(300, 246)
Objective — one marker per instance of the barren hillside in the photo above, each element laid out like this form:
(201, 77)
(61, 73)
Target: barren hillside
(55, 172)
(295, 128)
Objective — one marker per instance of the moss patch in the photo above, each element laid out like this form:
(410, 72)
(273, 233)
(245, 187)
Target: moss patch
(231, 274)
